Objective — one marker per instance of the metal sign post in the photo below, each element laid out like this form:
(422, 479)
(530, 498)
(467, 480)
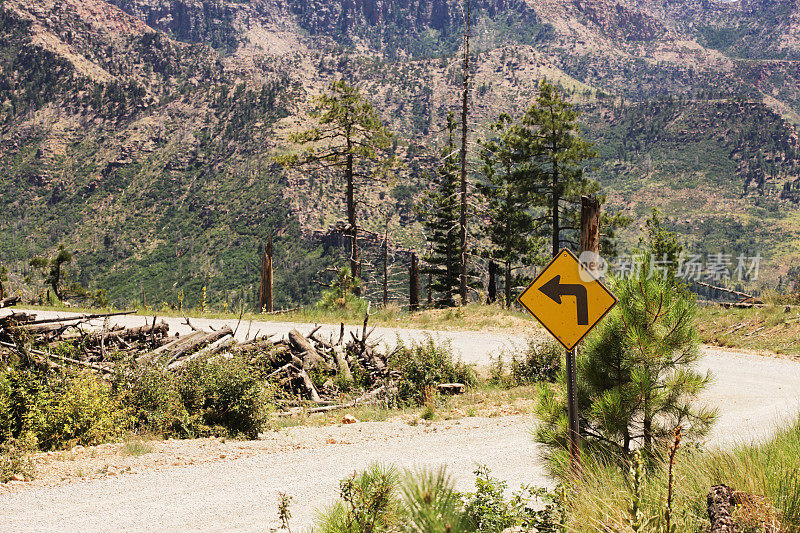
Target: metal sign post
(572, 414)
(569, 300)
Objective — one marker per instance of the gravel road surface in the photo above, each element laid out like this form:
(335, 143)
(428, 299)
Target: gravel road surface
(754, 393)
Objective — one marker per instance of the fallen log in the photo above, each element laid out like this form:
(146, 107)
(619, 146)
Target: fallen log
(198, 342)
(210, 350)
(282, 311)
(341, 363)
(724, 289)
(138, 333)
(309, 385)
(311, 358)
(170, 345)
(43, 329)
(367, 398)
(50, 356)
(78, 318)
(451, 388)
(17, 318)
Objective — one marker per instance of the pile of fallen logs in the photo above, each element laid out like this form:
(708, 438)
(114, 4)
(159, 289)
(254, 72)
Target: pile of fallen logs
(289, 361)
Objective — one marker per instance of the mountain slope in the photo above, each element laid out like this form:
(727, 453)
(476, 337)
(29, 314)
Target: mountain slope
(139, 132)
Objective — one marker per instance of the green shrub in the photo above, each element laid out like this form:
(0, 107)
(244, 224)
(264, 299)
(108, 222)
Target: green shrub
(15, 458)
(155, 400)
(427, 502)
(20, 389)
(58, 409)
(225, 394)
(487, 509)
(423, 366)
(368, 502)
(497, 371)
(538, 363)
(77, 409)
(222, 397)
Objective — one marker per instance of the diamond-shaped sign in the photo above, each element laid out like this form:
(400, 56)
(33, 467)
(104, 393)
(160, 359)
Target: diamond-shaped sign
(567, 299)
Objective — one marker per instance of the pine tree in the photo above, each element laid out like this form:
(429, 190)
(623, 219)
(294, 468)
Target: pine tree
(636, 380)
(508, 204)
(349, 136)
(439, 211)
(52, 269)
(550, 142)
(664, 245)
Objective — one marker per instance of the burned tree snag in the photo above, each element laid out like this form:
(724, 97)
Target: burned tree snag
(492, 282)
(265, 300)
(386, 269)
(507, 287)
(413, 279)
(463, 176)
(590, 226)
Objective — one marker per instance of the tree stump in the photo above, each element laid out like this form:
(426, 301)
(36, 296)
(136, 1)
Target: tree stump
(451, 388)
(720, 502)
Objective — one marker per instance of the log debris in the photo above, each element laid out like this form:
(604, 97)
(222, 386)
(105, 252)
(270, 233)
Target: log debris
(288, 362)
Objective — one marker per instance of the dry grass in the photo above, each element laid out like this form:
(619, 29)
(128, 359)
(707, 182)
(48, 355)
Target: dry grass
(484, 400)
(765, 476)
(135, 448)
(770, 328)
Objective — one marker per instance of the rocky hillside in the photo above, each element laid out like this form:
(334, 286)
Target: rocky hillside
(139, 132)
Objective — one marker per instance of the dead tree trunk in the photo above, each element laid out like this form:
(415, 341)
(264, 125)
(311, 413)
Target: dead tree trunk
(429, 289)
(352, 221)
(413, 280)
(386, 269)
(464, 131)
(8, 302)
(720, 501)
(590, 230)
(492, 282)
(507, 287)
(265, 293)
(310, 357)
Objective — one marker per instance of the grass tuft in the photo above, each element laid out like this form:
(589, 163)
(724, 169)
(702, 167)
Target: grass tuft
(136, 448)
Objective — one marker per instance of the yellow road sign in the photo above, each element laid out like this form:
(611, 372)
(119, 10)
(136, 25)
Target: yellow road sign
(567, 299)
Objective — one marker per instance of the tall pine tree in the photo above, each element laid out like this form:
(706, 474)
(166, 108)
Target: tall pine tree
(439, 210)
(555, 155)
(508, 203)
(351, 137)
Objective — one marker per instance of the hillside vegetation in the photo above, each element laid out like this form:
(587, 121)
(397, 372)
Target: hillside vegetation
(140, 133)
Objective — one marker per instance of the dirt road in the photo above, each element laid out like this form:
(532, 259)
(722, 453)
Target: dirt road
(753, 394)
(242, 494)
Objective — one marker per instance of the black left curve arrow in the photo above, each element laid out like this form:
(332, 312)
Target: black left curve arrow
(554, 290)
